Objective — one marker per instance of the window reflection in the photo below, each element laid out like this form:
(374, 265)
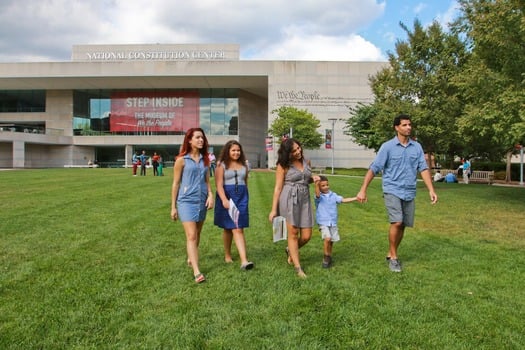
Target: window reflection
(218, 111)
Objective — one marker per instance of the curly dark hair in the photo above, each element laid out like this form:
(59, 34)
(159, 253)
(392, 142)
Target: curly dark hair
(284, 154)
(224, 157)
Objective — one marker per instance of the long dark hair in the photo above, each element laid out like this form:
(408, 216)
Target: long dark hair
(284, 154)
(185, 148)
(224, 157)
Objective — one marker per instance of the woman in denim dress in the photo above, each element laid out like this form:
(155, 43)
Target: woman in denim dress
(191, 194)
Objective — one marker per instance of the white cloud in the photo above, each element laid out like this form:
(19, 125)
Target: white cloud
(390, 37)
(448, 17)
(419, 8)
(299, 46)
(321, 30)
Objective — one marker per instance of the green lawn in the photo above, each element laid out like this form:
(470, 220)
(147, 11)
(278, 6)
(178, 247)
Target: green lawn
(90, 259)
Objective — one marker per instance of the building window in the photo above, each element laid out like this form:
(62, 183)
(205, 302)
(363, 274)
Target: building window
(219, 111)
(22, 101)
(155, 112)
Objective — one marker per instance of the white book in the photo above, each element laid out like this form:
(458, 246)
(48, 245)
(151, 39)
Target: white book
(234, 213)
(280, 232)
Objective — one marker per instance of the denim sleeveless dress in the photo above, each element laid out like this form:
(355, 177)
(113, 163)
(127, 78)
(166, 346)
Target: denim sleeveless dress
(193, 191)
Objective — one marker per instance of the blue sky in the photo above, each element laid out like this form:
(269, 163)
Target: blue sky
(332, 30)
(384, 30)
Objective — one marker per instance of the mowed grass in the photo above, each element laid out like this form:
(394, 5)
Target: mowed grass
(90, 259)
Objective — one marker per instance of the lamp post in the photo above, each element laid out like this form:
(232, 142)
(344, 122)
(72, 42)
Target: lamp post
(521, 165)
(332, 141)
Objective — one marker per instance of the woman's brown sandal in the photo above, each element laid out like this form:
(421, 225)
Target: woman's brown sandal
(289, 258)
(300, 272)
(199, 278)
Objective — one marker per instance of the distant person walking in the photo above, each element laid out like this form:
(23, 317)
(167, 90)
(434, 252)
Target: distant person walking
(213, 163)
(399, 159)
(135, 162)
(155, 163)
(161, 166)
(231, 179)
(191, 194)
(466, 171)
(143, 161)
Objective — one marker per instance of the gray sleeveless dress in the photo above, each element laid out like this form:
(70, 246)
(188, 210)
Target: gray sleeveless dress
(294, 202)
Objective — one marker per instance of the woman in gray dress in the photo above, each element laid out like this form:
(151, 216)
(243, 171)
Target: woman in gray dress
(291, 199)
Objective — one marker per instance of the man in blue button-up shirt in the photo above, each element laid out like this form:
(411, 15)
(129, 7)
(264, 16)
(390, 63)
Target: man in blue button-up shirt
(400, 159)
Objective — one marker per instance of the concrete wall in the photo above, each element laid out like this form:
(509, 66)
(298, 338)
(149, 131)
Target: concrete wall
(325, 89)
(253, 122)
(59, 111)
(6, 154)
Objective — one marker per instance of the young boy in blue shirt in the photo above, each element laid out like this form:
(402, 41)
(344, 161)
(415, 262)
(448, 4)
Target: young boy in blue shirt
(326, 203)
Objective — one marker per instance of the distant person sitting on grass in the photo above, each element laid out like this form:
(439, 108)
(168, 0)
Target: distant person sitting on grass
(438, 177)
(326, 216)
(450, 178)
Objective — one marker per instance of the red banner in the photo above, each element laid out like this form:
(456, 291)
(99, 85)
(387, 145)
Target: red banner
(269, 143)
(328, 139)
(154, 111)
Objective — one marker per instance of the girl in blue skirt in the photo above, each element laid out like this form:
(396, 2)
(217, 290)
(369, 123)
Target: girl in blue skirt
(231, 203)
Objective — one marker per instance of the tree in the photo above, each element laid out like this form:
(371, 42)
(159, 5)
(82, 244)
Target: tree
(493, 82)
(361, 129)
(417, 82)
(303, 123)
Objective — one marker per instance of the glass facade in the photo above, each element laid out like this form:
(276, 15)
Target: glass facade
(18, 101)
(219, 111)
(155, 112)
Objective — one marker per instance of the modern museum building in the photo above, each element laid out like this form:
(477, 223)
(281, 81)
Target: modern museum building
(110, 101)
